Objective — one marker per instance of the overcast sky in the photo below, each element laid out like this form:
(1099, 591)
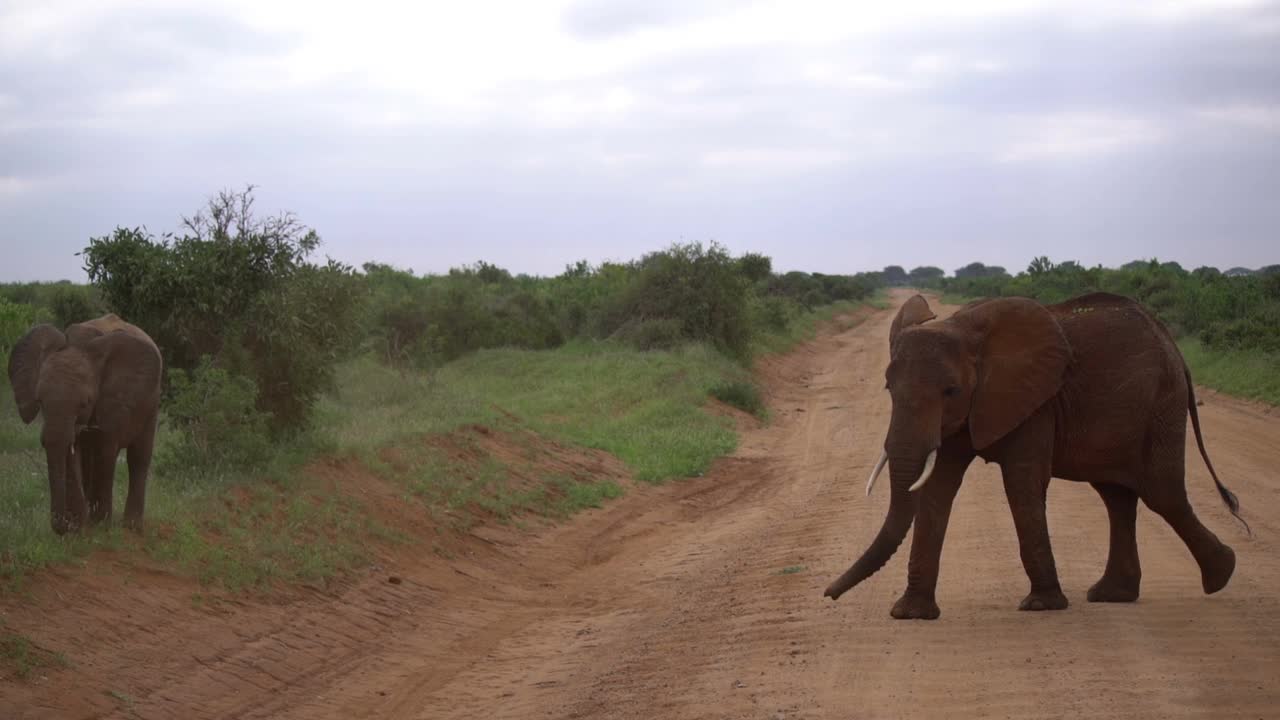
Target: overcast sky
(831, 136)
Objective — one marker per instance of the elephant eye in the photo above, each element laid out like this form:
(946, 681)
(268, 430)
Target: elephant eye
(950, 391)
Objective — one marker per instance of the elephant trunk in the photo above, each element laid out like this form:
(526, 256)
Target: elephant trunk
(59, 465)
(902, 511)
(911, 451)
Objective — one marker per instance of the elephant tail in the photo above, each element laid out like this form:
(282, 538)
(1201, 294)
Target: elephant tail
(1229, 498)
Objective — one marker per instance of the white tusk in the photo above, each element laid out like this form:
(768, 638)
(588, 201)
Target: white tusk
(928, 470)
(871, 482)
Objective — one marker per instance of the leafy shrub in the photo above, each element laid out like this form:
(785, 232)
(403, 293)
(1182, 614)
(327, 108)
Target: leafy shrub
(699, 287)
(741, 394)
(774, 313)
(213, 422)
(238, 288)
(425, 321)
(15, 320)
(74, 303)
(654, 334)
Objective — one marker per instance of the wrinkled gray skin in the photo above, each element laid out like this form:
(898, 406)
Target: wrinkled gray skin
(97, 387)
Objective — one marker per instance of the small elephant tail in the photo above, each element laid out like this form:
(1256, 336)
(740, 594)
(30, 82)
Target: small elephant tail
(1228, 498)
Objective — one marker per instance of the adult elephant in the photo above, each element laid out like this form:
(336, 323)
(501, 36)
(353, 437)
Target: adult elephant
(98, 387)
(1092, 389)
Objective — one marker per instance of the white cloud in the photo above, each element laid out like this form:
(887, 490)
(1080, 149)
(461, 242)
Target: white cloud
(769, 161)
(1068, 136)
(624, 99)
(1261, 117)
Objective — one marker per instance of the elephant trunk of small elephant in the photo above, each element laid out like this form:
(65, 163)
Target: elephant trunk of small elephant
(902, 511)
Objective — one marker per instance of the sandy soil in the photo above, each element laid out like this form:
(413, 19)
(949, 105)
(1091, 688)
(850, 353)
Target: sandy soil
(703, 599)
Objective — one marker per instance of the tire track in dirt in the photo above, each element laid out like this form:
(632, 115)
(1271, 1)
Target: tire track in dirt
(673, 602)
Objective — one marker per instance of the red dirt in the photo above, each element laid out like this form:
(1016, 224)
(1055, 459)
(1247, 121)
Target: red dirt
(671, 602)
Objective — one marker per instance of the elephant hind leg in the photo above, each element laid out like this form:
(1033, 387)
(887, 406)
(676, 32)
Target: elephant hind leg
(1166, 495)
(139, 458)
(1121, 580)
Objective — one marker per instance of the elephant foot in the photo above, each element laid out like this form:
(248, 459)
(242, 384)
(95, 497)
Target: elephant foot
(915, 606)
(1044, 600)
(1114, 590)
(1215, 575)
(133, 523)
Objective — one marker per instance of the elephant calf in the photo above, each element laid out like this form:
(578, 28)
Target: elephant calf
(98, 388)
(1092, 389)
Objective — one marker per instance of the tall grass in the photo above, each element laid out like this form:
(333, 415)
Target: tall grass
(1248, 374)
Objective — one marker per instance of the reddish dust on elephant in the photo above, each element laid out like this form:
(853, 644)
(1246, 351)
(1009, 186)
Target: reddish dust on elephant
(703, 598)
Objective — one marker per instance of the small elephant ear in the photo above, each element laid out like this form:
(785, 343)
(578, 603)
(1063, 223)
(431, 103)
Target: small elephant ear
(129, 371)
(1023, 357)
(28, 355)
(913, 312)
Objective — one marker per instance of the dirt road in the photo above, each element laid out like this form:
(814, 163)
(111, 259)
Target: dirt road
(703, 599)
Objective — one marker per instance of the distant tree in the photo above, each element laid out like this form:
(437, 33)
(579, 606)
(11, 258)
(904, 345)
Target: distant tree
(1238, 272)
(1040, 265)
(482, 271)
(1269, 270)
(1173, 267)
(926, 275)
(978, 270)
(894, 275)
(1206, 272)
(755, 267)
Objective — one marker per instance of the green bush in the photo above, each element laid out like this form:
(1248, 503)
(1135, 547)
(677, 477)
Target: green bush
(240, 289)
(423, 322)
(73, 304)
(212, 422)
(701, 288)
(654, 334)
(15, 320)
(774, 313)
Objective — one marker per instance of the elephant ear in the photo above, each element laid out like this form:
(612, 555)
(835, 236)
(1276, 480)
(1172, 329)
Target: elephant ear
(28, 355)
(1023, 357)
(128, 374)
(913, 312)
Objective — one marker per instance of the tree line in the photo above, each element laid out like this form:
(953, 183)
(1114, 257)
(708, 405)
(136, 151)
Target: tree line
(252, 325)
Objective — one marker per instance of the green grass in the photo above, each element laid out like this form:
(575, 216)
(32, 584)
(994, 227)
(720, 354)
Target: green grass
(805, 327)
(792, 569)
(643, 407)
(22, 657)
(1248, 374)
(252, 529)
(460, 493)
(742, 394)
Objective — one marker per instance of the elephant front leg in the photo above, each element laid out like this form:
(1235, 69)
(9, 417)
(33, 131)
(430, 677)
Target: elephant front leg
(1025, 485)
(937, 496)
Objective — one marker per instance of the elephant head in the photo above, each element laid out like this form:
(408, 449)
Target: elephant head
(81, 378)
(983, 371)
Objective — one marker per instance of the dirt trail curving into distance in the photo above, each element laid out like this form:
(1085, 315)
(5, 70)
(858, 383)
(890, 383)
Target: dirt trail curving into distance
(703, 599)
